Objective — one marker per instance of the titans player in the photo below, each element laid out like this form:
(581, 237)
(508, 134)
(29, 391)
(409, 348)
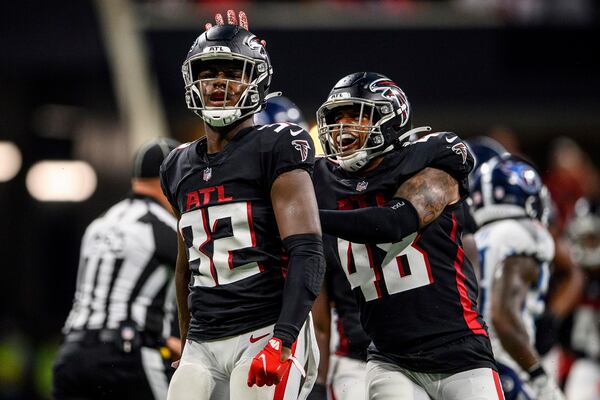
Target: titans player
(250, 260)
(515, 251)
(394, 209)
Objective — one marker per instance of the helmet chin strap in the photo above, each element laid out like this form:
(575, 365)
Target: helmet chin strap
(220, 118)
(354, 162)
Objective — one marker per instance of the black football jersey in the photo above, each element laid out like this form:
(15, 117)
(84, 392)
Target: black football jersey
(353, 341)
(420, 294)
(227, 221)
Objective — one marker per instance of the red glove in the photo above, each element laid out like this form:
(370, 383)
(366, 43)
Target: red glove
(267, 368)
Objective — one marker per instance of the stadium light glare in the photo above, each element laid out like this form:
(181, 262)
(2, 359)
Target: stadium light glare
(51, 180)
(10, 161)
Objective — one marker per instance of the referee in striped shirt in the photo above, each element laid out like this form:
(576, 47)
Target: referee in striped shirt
(124, 300)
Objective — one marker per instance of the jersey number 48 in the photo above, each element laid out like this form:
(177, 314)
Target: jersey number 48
(405, 267)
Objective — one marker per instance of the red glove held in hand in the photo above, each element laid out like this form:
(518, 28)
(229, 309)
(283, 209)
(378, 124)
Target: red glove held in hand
(267, 368)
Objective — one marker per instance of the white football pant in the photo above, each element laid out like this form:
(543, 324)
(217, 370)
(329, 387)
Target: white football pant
(347, 378)
(386, 381)
(218, 369)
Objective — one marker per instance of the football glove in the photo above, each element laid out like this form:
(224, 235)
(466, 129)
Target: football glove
(267, 367)
(543, 386)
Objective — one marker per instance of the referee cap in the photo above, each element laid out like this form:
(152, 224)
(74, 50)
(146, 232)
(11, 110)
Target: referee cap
(147, 160)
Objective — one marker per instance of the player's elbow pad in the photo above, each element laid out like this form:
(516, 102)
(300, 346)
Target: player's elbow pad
(305, 272)
(394, 221)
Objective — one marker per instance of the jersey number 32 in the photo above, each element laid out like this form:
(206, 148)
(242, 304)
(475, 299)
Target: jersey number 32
(226, 228)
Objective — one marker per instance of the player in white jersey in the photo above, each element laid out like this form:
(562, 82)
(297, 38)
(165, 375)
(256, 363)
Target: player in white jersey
(583, 327)
(515, 250)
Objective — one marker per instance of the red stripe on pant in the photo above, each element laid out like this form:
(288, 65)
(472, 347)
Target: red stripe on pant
(499, 390)
(281, 386)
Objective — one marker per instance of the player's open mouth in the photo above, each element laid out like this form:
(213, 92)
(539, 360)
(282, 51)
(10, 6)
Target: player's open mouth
(217, 98)
(348, 141)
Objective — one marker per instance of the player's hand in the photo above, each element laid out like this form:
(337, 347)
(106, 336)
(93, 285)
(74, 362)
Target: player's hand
(241, 19)
(269, 366)
(545, 388)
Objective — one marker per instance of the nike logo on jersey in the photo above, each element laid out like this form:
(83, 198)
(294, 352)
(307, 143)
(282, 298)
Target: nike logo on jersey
(256, 339)
(452, 139)
(296, 133)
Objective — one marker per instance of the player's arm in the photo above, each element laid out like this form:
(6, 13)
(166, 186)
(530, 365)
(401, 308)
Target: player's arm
(562, 299)
(321, 312)
(297, 215)
(417, 202)
(509, 291)
(296, 212)
(182, 290)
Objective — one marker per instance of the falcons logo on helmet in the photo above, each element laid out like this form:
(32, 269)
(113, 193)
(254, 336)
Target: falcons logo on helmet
(393, 93)
(302, 146)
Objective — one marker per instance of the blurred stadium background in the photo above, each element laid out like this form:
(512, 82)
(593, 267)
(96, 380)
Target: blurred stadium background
(82, 83)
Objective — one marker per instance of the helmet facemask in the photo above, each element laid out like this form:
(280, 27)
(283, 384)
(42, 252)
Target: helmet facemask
(353, 145)
(248, 96)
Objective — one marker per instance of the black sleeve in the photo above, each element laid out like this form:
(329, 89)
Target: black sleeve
(469, 226)
(445, 151)
(455, 158)
(165, 239)
(164, 184)
(388, 224)
(306, 269)
(293, 148)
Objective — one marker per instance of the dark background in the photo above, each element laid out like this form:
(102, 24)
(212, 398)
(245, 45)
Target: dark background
(539, 78)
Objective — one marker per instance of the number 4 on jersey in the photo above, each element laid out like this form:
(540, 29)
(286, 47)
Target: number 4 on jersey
(405, 267)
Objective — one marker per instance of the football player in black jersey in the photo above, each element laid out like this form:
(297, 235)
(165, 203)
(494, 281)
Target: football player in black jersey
(250, 258)
(394, 209)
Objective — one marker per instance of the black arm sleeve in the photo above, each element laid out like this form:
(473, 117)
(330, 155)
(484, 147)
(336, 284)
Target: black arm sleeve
(306, 269)
(394, 221)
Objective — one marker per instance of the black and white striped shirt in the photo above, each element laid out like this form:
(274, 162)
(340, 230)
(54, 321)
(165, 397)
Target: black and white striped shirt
(126, 268)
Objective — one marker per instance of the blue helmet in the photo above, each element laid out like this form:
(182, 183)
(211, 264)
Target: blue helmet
(508, 187)
(484, 148)
(280, 109)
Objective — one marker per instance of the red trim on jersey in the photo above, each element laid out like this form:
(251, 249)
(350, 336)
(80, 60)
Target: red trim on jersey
(213, 271)
(499, 390)
(349, 257)
(380, 200)
(280, 387)
(425, 256)
(261, 267)
(343, 347)
(400, 266)
(375, 271)
(250, 224)
(454, 228)
(469, 314)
